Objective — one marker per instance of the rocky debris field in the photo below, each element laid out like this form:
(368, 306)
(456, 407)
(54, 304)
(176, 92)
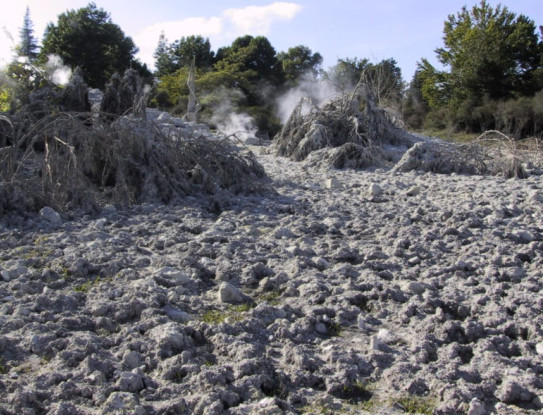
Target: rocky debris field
(338, 291)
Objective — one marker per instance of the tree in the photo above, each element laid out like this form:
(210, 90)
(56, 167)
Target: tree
(164, 64)
(89, 39)
(298, 61)
(253, 56)
(184, 50)
(491, 53)
(28, 46)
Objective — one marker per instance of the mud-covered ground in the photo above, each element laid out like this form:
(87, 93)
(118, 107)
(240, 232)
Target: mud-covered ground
(338, 292)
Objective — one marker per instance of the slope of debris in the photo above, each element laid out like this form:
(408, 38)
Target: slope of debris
(345, 292)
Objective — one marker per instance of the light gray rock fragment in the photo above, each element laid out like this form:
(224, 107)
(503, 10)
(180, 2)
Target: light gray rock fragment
(374, 190)
(130, 382)
(50, 215)
(131, 359)
(229, 294)
(476, 407)
(413, 191)
(175, 314)
(123, 402)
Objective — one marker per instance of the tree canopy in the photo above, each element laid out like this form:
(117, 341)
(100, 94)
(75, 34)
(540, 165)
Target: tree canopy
(490, 52)
(298, 61)
(89, 39)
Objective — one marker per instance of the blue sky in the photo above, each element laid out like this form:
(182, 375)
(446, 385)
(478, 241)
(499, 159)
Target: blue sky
(406, 30)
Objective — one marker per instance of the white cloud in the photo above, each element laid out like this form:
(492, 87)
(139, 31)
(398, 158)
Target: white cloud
(257, 20)
(221, 30)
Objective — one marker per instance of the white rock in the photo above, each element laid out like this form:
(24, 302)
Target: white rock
(386, 336)
(130, 382)
(374, 190)
(230, 294)
(361, 322)
(413, 191)
(331, 183)
(121, 402)
(476, 407)
(50, 215)
(168, 336)
(539, 348)
(131, 359)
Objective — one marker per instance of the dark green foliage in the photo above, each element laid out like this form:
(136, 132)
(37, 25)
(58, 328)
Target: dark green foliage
(28, 46)
(494, 60)
(184, 50)
(89, 39)
(299, 61)
(164, 64)
(490, 52)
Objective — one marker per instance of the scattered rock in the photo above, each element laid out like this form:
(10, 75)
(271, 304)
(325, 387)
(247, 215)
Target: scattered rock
(50, 215)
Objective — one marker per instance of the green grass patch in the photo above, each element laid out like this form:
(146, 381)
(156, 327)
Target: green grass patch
(234, 312)
(414, 404)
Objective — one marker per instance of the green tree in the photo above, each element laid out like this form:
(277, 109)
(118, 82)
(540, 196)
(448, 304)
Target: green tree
(182, 52)
(298, 61)
(89, 39)
(491, 52)
(254, 57)
(28, 46)
(164, 64)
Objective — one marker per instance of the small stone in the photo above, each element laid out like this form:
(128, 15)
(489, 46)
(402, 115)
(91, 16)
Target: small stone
(321, 328)
(331, 183)
(361, 322)
(374, 190)
(375, 343)
(476, 407)
(100, 223)
(175, 314)
(121, 402)
(539, 348)
(130, 382)
(131, 359)
(413, 191)
(230, 294)
(50, 215)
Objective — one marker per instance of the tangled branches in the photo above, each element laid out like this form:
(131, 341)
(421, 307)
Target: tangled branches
(353, 118)
(73, 160)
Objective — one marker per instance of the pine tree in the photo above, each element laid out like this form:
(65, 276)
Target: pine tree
(164, 64)
(28, 46)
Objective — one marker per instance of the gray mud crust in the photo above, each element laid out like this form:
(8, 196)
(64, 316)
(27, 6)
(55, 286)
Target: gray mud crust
(345, 292)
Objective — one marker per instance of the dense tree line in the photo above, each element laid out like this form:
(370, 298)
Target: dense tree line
(492, 76)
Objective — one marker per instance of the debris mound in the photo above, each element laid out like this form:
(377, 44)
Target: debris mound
(353, 119)
(492, 153)
(80, 160)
